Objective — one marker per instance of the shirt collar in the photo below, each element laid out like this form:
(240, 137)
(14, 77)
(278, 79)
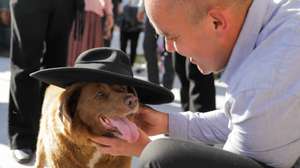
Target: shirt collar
(247, 38)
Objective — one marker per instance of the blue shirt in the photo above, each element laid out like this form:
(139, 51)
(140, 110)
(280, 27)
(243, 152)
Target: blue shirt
(261, 117)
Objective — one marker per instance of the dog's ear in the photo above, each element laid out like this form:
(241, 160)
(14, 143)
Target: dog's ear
(69, 101)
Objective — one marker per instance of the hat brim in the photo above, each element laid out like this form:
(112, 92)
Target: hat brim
(148, 92)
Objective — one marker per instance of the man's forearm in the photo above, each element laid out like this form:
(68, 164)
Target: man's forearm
(210, 127)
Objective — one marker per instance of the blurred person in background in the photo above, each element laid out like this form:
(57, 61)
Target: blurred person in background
(116, 8)
(40, 31)
(130, 27)
(197, 91)
(5, 20)
(89, 30)
(150, 53)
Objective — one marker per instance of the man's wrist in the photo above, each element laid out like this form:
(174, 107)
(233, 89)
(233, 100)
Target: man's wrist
(143, 141)
(165, 123)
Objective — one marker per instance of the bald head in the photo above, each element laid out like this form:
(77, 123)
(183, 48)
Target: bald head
(205, 31)
(196, 9)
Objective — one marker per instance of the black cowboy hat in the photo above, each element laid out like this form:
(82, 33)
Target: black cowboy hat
(104, 65)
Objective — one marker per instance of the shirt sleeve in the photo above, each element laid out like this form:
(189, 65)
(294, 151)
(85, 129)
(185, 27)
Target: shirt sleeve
(210, 127)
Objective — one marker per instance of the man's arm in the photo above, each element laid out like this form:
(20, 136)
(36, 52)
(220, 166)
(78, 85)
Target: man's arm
(210, 127)
(141, 11)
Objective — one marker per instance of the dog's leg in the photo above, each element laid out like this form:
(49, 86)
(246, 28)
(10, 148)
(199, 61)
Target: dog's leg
(40, 161)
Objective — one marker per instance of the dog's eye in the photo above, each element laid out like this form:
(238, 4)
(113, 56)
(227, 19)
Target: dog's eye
(99, 95)
(123, 88)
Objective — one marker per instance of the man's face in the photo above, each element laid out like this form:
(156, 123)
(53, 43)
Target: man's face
(199, 42)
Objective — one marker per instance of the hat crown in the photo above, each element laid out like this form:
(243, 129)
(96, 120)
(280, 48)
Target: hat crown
(105, 59)
(105, 65)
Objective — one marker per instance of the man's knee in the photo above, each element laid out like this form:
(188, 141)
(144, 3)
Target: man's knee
(156, 153)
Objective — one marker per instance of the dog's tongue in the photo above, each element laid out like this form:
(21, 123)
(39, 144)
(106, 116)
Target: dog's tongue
(128, 130)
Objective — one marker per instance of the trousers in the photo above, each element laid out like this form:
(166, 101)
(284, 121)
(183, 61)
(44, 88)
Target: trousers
(150, 52)
(40, 31)
(197, 92)
(133, 38)
(171, 153)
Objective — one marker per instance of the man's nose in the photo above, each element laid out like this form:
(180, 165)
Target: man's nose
(169, 45)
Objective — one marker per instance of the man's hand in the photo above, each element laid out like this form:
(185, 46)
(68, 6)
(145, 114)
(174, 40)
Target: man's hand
(152, 121)
(140, 16)
(109, 23)
(149, 120)
(119, 147)
(5, 17)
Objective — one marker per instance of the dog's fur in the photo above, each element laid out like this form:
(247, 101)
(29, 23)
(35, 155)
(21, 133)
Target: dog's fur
(72, 115)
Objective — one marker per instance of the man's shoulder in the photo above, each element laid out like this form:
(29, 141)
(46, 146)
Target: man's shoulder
(269, 66)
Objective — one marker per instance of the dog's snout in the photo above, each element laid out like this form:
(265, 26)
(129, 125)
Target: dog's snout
(131, 101)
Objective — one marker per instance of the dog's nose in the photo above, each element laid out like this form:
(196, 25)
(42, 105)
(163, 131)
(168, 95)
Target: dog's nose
(131, 101)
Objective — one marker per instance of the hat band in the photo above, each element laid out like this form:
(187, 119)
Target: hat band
(109, 67)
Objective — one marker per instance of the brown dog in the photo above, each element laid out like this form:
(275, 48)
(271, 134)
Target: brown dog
(70, 116)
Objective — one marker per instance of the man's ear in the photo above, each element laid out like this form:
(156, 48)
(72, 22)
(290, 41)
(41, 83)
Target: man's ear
(69, 100)
(218, 20)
